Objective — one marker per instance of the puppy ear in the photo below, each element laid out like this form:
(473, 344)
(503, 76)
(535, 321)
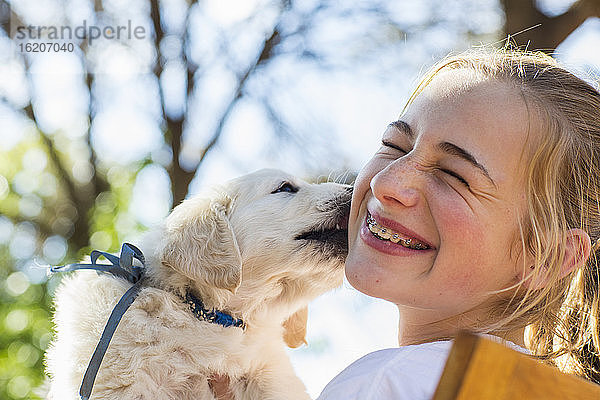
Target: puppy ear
(200, 243)
(294, 328)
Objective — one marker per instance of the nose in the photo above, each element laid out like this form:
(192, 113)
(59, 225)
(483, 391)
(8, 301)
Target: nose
(397, 184)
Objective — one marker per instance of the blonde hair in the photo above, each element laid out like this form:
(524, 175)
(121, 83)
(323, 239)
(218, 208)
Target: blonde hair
(563, 192)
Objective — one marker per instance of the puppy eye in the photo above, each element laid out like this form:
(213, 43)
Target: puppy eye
(285, 187)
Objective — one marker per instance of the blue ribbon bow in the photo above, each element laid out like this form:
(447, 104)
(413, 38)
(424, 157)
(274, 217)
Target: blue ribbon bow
(123, 267)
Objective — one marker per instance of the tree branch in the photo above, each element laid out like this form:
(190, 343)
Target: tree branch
(5, 17)
(180, 178)
(98, 183)
(82, 204)
(265, 55)
(521, 15)
(54, 157)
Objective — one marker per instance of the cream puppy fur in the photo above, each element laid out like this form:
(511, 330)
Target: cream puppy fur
(259, 248)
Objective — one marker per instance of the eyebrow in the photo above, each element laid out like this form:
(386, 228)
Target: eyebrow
(446, 147)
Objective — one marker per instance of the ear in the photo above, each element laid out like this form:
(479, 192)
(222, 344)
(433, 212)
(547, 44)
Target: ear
(579, 247)
(200, 243)
(577, 251)
(294, 328)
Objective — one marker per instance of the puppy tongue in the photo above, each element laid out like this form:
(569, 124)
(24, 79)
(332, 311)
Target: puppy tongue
(343, 221)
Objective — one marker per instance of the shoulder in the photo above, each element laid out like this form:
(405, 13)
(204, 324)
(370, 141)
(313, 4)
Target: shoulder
(409, 372)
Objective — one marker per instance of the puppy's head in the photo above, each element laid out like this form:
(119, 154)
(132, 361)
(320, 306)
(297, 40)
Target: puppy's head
(274, 239)
(292, 235)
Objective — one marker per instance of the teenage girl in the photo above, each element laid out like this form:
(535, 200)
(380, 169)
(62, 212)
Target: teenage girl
(481, 212)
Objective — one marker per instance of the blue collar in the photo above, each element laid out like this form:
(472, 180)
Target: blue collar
(122, 266)
(214, 316)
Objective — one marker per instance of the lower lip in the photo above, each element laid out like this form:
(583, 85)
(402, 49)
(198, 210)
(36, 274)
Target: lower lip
(385, 246)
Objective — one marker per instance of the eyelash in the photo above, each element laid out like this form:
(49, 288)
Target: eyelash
(448, 172)
(285, 187)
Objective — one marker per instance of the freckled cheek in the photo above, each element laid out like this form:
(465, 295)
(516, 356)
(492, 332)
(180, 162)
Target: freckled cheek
(452, 214)
(463, 250)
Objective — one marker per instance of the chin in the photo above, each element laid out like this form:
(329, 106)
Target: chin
(363, 275)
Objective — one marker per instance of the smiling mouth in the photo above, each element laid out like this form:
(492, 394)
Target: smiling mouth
(386, 234)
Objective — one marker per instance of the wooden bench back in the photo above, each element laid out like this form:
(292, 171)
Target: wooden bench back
(480, 369)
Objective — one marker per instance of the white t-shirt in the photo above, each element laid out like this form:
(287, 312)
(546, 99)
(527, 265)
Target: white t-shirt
(403, 373)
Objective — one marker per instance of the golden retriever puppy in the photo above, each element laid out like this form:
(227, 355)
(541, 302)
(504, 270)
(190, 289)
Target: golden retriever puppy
(259, 248)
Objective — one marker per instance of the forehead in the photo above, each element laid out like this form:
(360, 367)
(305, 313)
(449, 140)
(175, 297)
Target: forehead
(473, 100)
(488, 118)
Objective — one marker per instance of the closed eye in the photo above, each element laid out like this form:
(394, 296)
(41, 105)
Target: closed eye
(392, 145)
(446, 171)
(455, 175)
(285, 187)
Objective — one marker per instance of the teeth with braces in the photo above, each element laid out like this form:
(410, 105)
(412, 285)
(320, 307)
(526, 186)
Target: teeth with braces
(384, 233)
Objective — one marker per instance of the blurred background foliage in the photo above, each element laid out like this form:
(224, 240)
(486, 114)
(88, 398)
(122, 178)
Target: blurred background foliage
(98, 145)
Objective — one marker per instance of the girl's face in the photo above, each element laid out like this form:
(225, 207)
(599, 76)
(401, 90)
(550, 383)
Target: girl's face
(435, 211)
